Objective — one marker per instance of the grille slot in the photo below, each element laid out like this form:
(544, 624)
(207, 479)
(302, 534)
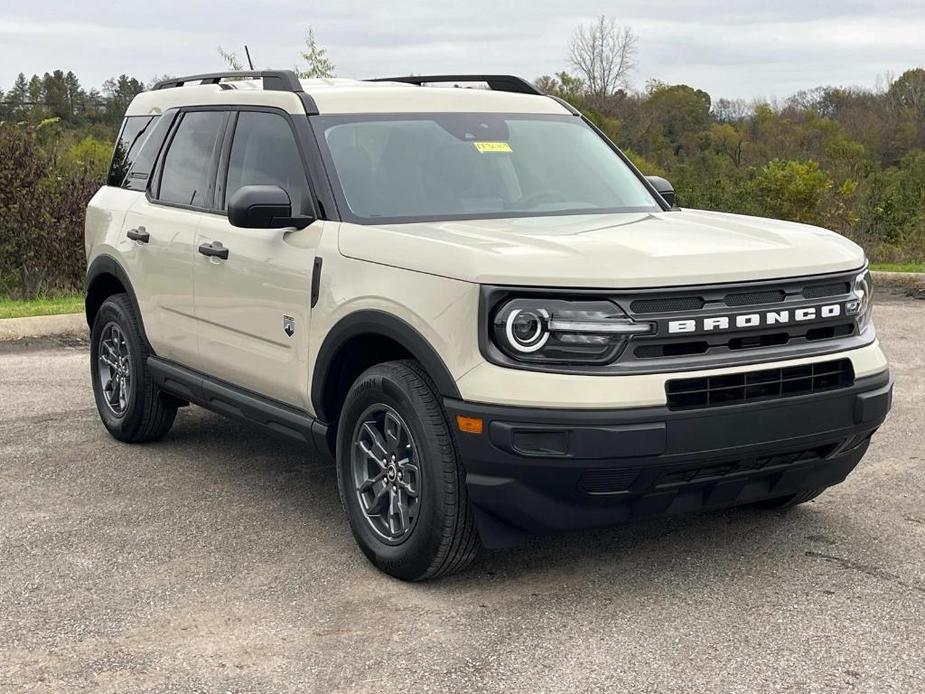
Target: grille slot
(608, 481)
(821, 290)
(766, 384)
(772, 296)
(667, 305)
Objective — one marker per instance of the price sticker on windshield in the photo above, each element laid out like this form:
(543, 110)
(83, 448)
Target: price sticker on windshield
(486, 147)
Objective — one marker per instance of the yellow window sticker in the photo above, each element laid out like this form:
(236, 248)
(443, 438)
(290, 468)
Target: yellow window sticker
(485, 147)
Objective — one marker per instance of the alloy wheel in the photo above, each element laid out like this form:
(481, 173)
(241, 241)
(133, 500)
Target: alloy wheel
(386, 475)
(114, 368)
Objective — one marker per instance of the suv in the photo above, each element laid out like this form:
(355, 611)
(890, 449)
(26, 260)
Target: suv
(475, 304)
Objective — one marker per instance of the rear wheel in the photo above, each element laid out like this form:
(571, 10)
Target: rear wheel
(790, 500)
(128, 402)
(398, 475)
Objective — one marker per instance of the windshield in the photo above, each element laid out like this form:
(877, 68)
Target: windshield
(421, 167)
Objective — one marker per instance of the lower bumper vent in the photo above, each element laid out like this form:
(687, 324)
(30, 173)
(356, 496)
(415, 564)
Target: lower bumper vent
(767, 384)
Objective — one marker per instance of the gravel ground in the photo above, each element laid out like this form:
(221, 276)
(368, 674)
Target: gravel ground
(219, 560)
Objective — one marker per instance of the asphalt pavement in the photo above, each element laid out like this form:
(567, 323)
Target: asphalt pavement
(218, 560)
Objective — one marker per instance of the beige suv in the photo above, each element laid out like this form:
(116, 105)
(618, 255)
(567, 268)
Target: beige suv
(474, 303)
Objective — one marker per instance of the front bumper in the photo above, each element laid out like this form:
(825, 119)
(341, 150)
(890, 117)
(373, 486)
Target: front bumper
(539, 470)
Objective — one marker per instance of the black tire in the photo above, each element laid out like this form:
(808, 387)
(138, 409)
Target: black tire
(147, 415)
(785, 502)
(443, 538)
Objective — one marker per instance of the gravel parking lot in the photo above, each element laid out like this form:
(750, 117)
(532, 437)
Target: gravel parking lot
(219, 560)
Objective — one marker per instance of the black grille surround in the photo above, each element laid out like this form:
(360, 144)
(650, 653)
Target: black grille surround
(662, 351)
(765, 384)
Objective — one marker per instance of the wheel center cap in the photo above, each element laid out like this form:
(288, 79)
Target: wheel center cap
(392, 472)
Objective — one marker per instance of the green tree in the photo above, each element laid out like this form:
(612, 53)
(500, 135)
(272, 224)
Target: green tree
(791, 190)
(316, 59)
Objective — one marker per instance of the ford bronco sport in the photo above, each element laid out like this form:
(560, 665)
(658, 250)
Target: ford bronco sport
(475, 303)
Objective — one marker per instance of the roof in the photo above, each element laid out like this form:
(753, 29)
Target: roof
(338, 95)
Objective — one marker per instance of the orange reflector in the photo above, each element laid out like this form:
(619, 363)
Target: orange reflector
(470, 425)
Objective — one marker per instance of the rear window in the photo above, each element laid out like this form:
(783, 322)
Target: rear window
(132, 136)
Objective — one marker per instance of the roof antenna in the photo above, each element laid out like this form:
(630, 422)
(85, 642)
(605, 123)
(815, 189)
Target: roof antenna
(248, 54)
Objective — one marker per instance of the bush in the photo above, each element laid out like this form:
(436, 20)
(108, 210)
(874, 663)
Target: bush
(42, 210)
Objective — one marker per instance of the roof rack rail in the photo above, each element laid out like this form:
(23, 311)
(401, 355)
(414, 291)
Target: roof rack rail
(273, 80)
(498, 83)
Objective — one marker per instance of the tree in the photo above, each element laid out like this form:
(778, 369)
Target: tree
(15, 102)
(231, 59)
(563, 85)
(119, 92)
(316, 58)
(604, 53)
(789, 190)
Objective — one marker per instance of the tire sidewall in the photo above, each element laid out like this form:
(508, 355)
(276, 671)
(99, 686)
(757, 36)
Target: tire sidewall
(411, 558)
(114, 311)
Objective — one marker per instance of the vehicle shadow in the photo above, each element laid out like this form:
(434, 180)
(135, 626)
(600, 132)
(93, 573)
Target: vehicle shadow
(301, 490)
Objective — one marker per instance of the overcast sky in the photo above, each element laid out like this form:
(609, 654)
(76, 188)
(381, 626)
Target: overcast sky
(746, 48)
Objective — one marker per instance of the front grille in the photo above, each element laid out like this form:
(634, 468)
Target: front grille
(766, 384)
(704, 341)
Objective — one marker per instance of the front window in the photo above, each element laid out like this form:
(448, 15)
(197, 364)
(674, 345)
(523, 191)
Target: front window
(424, 167)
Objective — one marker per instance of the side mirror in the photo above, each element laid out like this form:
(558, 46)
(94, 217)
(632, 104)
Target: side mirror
(263, 207)
(664, 188)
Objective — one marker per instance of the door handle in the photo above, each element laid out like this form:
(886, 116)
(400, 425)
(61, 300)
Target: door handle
(214, 250)
(139, 234)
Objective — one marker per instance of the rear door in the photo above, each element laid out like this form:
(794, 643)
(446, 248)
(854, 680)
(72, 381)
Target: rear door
(253, 307)
(162, 226)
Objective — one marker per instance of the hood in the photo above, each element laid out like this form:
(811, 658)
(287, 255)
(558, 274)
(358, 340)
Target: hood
(614, 251)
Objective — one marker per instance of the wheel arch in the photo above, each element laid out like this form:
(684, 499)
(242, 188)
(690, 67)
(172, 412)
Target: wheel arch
(106, 277)
(361, 340)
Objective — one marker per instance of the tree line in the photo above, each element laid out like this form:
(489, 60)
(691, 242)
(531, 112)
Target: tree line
(846, 158)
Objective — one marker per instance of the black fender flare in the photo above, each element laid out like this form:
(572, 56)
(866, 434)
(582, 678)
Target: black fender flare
(107, 265)
(378, 323)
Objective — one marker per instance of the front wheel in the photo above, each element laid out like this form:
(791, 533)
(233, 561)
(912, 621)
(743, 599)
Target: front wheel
(127, 400)
(398, 475)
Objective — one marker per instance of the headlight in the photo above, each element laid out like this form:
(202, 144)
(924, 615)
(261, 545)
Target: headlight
(862, 305)
(563, 332)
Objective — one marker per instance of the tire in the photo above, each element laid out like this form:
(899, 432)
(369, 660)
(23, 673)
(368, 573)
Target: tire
(436, 533)
(785, 502)
(139, 413)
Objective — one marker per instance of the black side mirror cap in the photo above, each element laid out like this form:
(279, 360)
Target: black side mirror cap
(263, 207)
(664, 188)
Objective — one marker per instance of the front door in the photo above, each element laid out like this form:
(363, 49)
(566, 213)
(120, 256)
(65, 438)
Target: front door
(253, 307)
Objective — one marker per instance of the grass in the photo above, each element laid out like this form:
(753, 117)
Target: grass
(898, 267)
(43, 306)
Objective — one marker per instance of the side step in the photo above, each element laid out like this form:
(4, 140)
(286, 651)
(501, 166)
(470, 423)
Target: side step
(239, 404)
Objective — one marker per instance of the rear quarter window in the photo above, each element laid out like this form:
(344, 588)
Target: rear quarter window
(131, 137)
(141, 165)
